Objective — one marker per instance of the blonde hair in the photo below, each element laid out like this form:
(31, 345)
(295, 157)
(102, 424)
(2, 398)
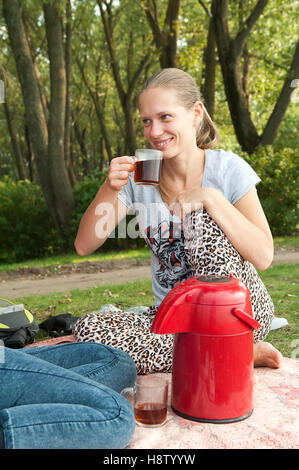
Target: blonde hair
(187, 95)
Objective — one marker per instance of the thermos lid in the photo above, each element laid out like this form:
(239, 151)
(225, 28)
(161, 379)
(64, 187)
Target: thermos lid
(213, 305)
(210, 290)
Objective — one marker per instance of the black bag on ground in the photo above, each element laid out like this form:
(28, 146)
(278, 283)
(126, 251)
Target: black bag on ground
(59, 325)
(17, 325)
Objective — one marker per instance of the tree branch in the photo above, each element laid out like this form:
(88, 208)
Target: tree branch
(273, 124)
(220, 17)
(172, 13)
(205, 8)
(151, 13)
(137, 73)
(242, 36)
(109, 38)
(270, 62)
(165, 39)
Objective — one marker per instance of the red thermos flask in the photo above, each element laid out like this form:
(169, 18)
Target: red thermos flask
(212, 370)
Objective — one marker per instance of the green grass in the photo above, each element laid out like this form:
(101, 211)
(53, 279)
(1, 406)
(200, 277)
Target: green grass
(73, 258)
(286, 241)
(281, 281)
(79, 302)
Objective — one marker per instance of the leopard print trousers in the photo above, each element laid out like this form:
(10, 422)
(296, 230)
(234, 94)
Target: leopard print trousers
(208, 252)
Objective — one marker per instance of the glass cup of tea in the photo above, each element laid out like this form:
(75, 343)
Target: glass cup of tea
(149, 398)
(147, 166)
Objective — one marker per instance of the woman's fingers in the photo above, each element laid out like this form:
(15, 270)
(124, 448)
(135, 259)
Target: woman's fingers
(119, 171)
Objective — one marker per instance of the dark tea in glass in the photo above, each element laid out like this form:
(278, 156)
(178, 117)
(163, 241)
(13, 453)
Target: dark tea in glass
(150, 414)
(147, 166)
(147, 172)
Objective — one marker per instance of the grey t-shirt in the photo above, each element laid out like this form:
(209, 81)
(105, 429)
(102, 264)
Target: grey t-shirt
(163, 232)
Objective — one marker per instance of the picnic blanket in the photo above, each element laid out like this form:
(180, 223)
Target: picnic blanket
(274, 423)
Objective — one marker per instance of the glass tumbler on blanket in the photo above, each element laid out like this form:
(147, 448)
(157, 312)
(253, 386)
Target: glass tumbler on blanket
(148, 397)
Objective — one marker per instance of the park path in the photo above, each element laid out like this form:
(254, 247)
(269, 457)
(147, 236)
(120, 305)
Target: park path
(22, 286)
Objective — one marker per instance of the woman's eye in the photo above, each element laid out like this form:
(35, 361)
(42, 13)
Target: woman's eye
(165, 116)
(146, 122)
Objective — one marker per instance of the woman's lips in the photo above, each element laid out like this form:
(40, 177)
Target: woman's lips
(161, 144)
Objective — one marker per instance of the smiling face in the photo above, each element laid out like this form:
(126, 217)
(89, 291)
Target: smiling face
(168, 126)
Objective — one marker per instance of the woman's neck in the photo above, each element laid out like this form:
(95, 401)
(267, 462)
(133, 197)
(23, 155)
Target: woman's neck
(183, 171)
(179, 174)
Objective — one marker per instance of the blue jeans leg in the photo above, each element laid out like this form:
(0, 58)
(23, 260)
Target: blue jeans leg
(44, 405)
(104, 364)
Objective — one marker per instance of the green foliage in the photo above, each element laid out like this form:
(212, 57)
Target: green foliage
(84, 193)
(278, 190)
(26, 227)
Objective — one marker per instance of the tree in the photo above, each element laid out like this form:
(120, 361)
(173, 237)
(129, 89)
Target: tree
(68, 107)
(127, 94)
(230, 51)
(165, 38)
(47, 138)
(15, 142)
(209, 64)
(62, 190)
(98, 96)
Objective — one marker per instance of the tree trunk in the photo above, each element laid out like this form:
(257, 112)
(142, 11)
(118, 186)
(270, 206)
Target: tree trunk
(240, 114)
(210, 71)
(245, 55)
(48, 148)
(63, 194)
(41, 87)
(35, 119)
(80, 136)
(245, 74)
(16, 147)
(129, 127)
(68, 112)
(29, 154)
(17, 152)
(229, 51)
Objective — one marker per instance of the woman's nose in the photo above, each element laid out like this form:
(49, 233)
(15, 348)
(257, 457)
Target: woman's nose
(156, 129)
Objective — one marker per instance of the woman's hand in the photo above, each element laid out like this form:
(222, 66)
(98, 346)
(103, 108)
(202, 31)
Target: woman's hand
(119, 170)
(190, 200)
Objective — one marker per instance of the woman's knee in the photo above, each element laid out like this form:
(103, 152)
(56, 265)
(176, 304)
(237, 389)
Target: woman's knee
(107, 365)
(123, 370)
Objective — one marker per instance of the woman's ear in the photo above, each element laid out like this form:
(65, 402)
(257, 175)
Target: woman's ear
(198, 112)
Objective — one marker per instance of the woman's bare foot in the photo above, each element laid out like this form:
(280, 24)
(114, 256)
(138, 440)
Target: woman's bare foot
(265, 355)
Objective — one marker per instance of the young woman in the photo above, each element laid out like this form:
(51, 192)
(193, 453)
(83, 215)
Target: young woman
(204, 218)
